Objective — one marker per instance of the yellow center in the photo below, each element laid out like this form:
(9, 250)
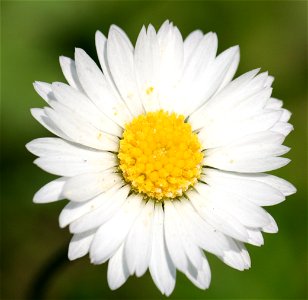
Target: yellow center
(159, 155)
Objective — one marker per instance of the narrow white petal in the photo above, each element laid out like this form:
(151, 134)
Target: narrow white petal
(253, 153)
(68, 67)
(231, 130)
(80, 244)
(191, 42)
(56, 147)
(96, 87)
(236, 256)
(271, 227)
(82, 132)
(234, 93)
(171, 65)
(231, 71)
(86, 186)
(138, 243)
(246, 212)
(286, 115)
(191, 248)
(146, 59)
(195, 70)
(117, 270)
(282, 128)
(204, 235)
(244, 185)
(200, 277)
(214, 76)
(40, 115)
(105, 210)
(79, 104)
(44, 90)
(74, 210)
(274, 103)
(111, 235)
(162, 268)
(101, 48)
(255, 237)
(220, 219)
(173, 238)
(52, 191)
(121, 64)
(72, 165)
(269, 81)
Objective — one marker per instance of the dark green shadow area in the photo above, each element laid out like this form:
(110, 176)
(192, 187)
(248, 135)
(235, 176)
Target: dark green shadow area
(271, 34)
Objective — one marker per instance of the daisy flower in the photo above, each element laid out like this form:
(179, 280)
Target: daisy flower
(162, 155)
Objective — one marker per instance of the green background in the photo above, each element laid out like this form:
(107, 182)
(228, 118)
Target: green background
(271, 35)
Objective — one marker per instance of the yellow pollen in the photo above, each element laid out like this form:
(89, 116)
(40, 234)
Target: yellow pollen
(159, 155)
(149, 90)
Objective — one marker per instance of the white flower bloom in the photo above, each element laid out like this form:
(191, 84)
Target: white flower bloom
(162, 155)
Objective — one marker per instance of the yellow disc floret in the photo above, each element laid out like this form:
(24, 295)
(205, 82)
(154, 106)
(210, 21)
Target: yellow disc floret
(159, 155)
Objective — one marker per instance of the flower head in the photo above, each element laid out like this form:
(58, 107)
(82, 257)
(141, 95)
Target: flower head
(161, 155)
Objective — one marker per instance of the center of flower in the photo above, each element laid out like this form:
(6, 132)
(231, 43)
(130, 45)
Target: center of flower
(159, 155)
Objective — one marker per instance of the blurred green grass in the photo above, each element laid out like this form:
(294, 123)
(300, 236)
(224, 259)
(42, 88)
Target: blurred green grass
(271, 35)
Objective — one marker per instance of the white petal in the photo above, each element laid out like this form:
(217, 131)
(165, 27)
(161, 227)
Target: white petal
(40, 115)
(244, 185)
(117, 270)
(81, 132)
(229, 97)
(138, 243)
(74, 210)
(79, 104)
(96, 87)
(146, 61)
(191, 248)
(173, 238)
(286, 115)
(162, 269)
(231, 71)
(200, 277)
(52, 191)
(236, 256)
(269, 81)
(283, 128)
(211, 240)
(171, 64)
(214, 77)
(47, 147)
(274, 103)
(255, 237)
(121, 63)
(191, 42)
(44, 90)
(278, 183)
(72, 165)
(205, 235)
(271, 227)
(171, 55)
(195, 70)
(221, 220)
(253, 153)
(249, 214)
(80, 244)
(111, 235)
(105, 210)
(86, 186)
(68, 67)
(101, 48)
(221, 133)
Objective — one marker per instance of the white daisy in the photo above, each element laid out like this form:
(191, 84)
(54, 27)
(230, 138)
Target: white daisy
(161, 155)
